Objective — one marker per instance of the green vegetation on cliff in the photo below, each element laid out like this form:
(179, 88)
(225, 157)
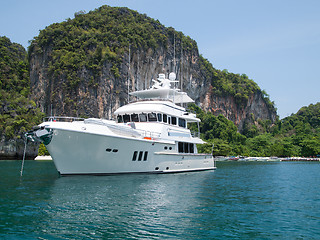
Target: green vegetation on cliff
(231, 84)
(297, 135)
(17, 113)
(102, 36)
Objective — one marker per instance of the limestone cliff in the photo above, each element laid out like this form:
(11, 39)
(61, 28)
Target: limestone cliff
(83, 66)
(17, 113)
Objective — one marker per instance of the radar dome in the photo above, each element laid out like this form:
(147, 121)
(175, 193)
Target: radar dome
(172, 76)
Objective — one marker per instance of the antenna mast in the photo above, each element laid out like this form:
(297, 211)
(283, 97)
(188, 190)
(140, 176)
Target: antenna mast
(129, 75)
(174, 53)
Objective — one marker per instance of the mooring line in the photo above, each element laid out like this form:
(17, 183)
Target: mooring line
(24, 155)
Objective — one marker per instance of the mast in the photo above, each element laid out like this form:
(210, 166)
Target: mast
(174, 53)
(129, 74)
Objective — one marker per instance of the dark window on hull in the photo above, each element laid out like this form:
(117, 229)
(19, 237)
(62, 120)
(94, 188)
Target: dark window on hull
(134, 157)
(145, 157)
(180, 147)
(184, 147)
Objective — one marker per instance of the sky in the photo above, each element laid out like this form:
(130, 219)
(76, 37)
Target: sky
(275, 43)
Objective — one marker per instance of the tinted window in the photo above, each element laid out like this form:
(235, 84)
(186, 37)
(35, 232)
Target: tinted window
(119, 117)
(134, 117)
(182, 122)
(126, 118)
(173, 120)
(134, 157)
(165, 118)
(145, 157)
(159, 115)
(191, 148)
(186, 147)
(143, 117)
(180, 147)
(152, 117)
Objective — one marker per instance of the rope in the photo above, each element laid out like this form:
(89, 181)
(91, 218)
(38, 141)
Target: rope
(24, 155)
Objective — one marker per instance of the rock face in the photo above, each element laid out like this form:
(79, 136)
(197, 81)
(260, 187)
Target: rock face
(110, 93)
(255, 108)
(13, 150)
(98, 93)
(17, 112)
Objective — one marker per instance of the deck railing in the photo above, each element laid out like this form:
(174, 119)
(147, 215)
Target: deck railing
(62, 119)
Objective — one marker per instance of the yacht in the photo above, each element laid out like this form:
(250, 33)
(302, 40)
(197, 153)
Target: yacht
(149, 135)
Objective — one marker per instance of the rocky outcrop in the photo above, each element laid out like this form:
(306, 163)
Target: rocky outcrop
(14, 149)
(109, 92)
(255, 108)
(98, 93)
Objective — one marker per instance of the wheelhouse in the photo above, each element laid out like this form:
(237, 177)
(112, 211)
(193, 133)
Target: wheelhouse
(152, 117)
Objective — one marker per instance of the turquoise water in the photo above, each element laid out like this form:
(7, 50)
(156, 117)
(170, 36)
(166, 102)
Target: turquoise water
(239, 200)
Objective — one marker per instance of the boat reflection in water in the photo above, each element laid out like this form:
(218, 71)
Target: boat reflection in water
(129, 206)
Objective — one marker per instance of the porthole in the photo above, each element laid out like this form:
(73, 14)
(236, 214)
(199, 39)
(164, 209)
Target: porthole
(170, 148)
(140, 155)
(156, 168)
(165, 148)
(167, 168)
(108, 150)
(115, 150)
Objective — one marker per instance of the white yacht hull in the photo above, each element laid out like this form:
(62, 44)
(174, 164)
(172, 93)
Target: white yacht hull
(78, 152)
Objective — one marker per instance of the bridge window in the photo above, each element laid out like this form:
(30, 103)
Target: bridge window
(152, 117)
(165, 118)
(126, 118)
(143, 117)
(134, 117)
(120, 120)
(159, 116)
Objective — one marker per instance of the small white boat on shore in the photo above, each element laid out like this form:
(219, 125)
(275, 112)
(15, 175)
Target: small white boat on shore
(43, 158)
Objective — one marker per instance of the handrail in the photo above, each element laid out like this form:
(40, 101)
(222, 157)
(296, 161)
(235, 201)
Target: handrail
(62, 119)
(150, 99)
(130, 131)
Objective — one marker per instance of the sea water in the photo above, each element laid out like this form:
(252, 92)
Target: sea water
(238, 200)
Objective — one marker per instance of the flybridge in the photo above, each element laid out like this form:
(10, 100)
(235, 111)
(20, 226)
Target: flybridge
(162, 89)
